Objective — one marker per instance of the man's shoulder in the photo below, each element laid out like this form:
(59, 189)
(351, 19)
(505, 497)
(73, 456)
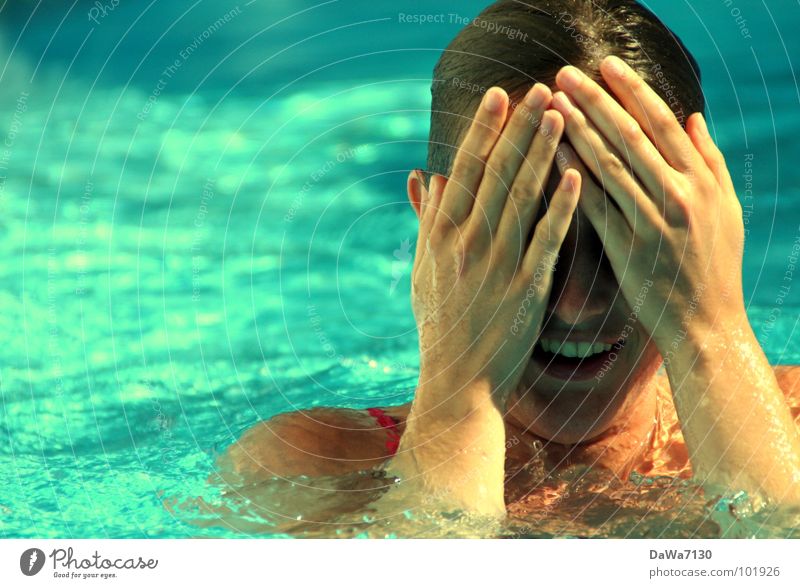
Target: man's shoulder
(312, 442)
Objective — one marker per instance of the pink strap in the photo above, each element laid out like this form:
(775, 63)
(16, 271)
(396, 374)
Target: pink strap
(390, 424)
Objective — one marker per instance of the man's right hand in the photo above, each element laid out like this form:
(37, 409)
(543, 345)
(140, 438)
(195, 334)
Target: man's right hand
(479, 291)
(479, 287)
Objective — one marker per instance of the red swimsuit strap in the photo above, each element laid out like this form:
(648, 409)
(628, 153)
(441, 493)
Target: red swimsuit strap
(390, 424)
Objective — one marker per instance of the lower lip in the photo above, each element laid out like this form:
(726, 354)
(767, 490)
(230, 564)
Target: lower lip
(574, 368)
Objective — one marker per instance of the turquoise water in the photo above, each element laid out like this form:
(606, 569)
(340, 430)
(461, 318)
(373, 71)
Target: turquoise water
(187, 253)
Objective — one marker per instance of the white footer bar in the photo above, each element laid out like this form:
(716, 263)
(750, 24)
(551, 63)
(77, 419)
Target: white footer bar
(348, 563)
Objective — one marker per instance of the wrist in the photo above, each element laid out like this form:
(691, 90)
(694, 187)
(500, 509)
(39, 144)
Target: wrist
(449, 398)
(716, 343)
(456, 428)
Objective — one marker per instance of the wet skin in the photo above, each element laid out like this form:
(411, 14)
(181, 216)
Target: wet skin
(484, 381)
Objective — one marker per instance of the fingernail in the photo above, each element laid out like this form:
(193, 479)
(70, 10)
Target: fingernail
(493, 100)
(435, 185)
(615, 66)
(569, 78)
(548, 124)
(704, 125)
(569, 182)
(562, 103)
(535, 97)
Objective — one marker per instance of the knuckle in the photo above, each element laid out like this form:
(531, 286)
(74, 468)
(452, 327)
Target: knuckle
(439, 234)
(592, 91)
(529, 169)
(547, 261)
(579, 120)
(519, 194)
(680, 193)
(681, 209)
(462, 165)
(473, 239)
(613, 164)
(632, 134)
(501, 166)
(470, 259)
(560, 208)
(544, 235)
(502, 253)
(663, 117)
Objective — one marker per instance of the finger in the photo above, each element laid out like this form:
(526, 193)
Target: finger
(607, 165)
(618, 126)
(508, 156)
(470, 161)
(608, 222)
(651, 112)
(525, 196)
(540, 259)
(430, 209)
(698, 131)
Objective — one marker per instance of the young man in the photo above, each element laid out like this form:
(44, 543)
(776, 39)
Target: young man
(584, 232)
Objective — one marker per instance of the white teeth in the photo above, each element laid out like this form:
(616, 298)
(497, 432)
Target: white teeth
(573, 349)
(569, 349)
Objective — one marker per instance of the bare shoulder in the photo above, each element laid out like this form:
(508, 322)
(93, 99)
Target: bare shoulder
(314, 442)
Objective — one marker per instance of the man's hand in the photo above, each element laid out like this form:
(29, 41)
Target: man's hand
(677, 222)
(480, 287)
(673, 223)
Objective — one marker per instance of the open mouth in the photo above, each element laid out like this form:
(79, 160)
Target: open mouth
(574, 360)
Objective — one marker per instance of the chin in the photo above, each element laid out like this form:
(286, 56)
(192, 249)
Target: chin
(567, 410)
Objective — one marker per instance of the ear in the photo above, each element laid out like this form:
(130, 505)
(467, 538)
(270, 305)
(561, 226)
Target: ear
(417, 192)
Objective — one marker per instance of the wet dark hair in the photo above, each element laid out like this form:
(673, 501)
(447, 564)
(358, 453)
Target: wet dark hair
(516, 43)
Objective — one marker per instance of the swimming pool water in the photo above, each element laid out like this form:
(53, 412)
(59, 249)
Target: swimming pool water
(179, 266)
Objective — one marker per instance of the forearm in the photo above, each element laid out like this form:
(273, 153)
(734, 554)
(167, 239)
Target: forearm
(452, 452)
(734, 417)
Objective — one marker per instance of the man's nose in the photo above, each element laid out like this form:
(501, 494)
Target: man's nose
(583, 282)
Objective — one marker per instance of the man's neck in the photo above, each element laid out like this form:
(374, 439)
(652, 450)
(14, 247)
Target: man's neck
(619, 448)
